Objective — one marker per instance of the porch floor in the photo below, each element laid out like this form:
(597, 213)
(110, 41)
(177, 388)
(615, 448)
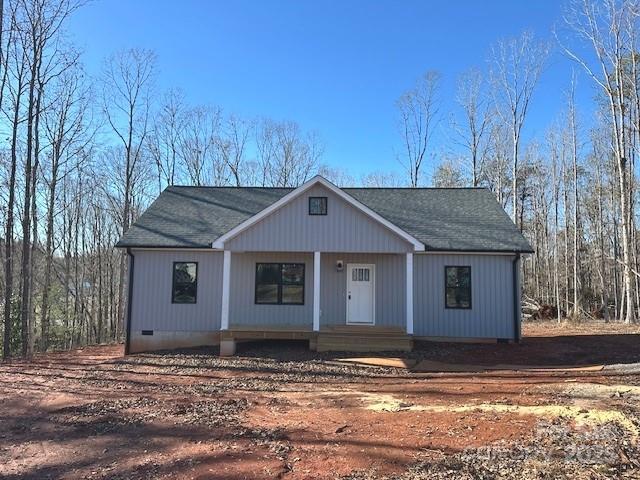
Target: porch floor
(348, 338)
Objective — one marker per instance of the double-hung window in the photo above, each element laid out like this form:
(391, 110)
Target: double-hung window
(457, 287)
(279, 283)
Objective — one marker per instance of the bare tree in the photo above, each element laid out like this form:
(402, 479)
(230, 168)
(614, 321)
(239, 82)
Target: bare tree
(164, 140)
(555, 180)
(16, 89)
(380, 179)
(287, 156)
(39, 29)
(448, 174)
(265, 140)
(419, 110)
(496, 173)
(573, 136)
(516, 68)
(475, 130)
(126, 82)
(197, 145)
(66, 134)
(232, 145)
(604, 27)
(337, 176)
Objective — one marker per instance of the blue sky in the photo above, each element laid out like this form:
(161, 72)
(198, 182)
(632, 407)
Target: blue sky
(335, 67)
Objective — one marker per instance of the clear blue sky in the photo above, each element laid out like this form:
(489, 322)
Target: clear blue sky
(336, 67)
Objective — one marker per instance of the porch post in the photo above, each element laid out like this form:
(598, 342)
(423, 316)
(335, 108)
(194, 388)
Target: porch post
(410, 293)
(316, 291)
(226, 276)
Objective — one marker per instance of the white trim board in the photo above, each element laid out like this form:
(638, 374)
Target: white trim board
(409, 292)
(316, 291)
(226, 278)
(219, 242)
(458, 252)
(168, 249)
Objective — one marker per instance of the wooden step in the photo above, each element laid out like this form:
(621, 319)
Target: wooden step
(363, 343)
(363, 329)
(363, 347)
(270, 332)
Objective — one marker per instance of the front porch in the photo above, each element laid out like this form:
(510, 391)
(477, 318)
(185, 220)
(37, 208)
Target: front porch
(350, 301)
(348, 338)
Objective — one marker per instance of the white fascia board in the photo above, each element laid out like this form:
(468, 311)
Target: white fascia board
(317, 180)
(462, 252)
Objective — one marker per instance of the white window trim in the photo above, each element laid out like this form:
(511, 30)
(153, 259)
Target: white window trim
(317, 180)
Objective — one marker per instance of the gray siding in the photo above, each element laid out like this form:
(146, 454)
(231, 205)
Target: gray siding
(390, 288)
(152, 308)
(343, 229)
(242, 307)
(491, 315)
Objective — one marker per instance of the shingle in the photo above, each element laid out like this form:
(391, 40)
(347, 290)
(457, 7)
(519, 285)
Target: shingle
(456, 219)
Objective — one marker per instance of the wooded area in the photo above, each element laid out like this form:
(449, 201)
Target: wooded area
(83, 155)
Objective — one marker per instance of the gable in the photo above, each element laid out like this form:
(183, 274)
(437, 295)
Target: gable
(344, 228)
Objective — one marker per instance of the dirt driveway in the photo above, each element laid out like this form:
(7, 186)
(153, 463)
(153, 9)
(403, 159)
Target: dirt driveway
(279, 411)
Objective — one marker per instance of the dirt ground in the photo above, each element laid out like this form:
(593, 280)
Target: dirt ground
(277, 410)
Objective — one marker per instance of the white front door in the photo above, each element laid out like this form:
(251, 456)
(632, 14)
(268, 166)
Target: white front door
(361, 294)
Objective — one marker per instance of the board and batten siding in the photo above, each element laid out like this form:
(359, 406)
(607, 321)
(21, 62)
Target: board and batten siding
(343, 229)
(152, 309)
(243, 311)
(491, 315)
(390, 287)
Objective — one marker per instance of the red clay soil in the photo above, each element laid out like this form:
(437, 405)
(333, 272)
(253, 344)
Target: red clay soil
(274, 411)
(547, 344)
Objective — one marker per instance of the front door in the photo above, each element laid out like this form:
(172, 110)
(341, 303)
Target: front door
(360, 294)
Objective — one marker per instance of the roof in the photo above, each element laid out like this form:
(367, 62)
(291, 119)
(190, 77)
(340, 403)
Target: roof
(444, 219)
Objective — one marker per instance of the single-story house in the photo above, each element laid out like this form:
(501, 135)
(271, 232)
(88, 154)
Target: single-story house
(345, 268)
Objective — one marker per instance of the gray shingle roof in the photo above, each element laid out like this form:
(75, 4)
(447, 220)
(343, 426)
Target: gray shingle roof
(455, 219)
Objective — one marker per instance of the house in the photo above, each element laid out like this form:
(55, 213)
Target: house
(346, 268)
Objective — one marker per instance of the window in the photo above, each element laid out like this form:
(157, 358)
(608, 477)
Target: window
(458, 287)
(185, 282)
(280, 283)
(360, 275)
(317, 205)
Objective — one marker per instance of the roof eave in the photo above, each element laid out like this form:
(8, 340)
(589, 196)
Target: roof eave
(479, 250)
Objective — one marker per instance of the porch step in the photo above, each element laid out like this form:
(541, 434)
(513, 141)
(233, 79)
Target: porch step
(271, 332)
(367, 330)
(363, 342)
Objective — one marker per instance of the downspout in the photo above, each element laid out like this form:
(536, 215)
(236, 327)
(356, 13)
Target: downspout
(516, 310)
(129, 301)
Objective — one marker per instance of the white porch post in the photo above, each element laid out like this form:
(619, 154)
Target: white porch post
(410, 293)
(316, 291)
(226, 277)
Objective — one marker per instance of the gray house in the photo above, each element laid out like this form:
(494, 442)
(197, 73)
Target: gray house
(346, 268)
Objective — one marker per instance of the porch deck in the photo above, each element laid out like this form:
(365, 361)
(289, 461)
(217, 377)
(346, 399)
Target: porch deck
(352, 338)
